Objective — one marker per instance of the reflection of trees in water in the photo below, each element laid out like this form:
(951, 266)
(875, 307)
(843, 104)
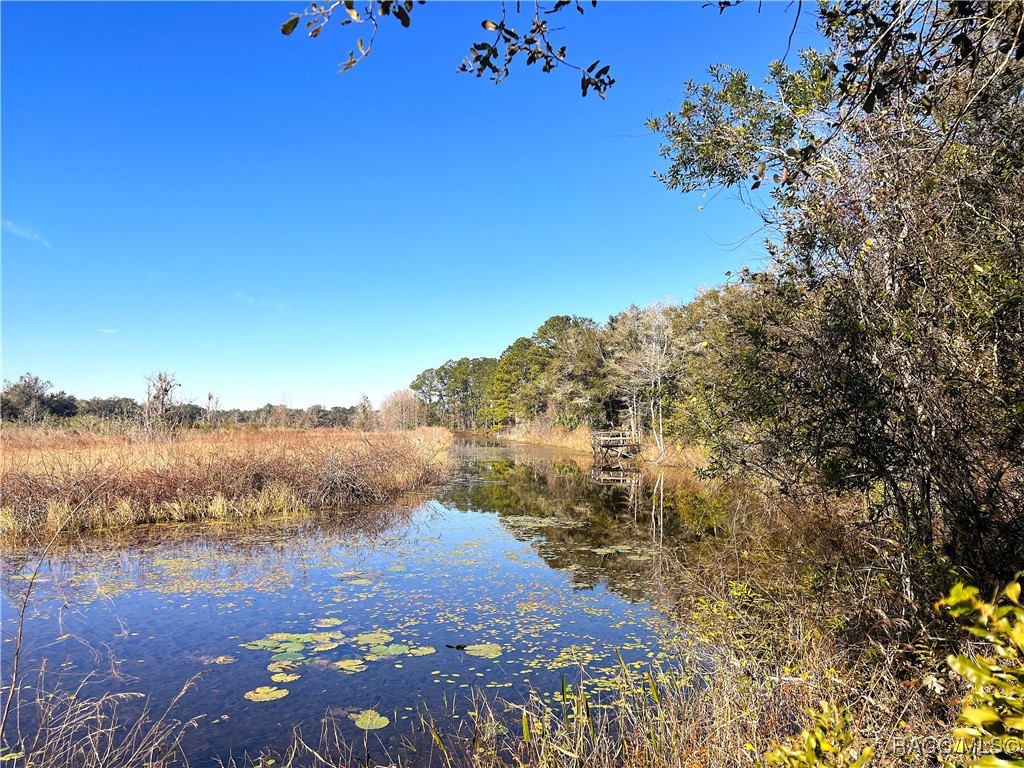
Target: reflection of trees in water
(652, 518)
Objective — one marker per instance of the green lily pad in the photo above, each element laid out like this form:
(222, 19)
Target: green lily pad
(421, 650)
(377, 637)
(361, 583)
(369, 720)
(350, 665)
(484, 650)
(285, 677)
(287, 657)
(281, 666)
(266, 693)
(320, 647)
(389, 650)
(291, 647)
(260, 645)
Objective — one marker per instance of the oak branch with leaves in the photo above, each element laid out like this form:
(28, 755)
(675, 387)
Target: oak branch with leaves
(492, 55)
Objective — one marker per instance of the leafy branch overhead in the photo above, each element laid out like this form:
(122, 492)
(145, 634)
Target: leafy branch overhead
(938, 65)
(492, 56)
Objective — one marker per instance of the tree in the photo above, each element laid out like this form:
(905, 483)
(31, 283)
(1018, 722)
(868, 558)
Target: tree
(880, 350)
(159, 397)
(212, 410)
(29, 399)
(110, 408)
(401, 410)
(365, 418)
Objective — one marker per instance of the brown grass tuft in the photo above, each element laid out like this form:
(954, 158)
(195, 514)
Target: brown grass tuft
(59, 481)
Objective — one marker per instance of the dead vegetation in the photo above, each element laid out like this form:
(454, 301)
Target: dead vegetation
(73, 482)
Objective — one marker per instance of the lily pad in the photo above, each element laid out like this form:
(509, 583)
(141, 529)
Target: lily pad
(281, 666)
(291, 647)
(361, 583)
(324, 647)
(285, 677)
(377, 637)
(287, 657)
(394, 649)
(421, 650)
(266, 693)
(331, 622)
(260, 645)
(484, 650)
(369, 720)
(350, 665)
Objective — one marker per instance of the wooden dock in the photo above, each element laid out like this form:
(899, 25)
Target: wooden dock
(615, 475)
(611, 448)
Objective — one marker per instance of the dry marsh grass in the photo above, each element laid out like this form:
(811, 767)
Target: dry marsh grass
(572, 439)
(55, 481)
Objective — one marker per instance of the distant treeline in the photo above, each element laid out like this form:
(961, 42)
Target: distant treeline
(571, 372)
(31, 400)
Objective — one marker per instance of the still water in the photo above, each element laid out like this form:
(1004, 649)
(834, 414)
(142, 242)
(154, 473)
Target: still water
(524, 570)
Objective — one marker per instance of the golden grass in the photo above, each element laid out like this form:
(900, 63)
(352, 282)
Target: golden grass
(56, 481)
(573, 439)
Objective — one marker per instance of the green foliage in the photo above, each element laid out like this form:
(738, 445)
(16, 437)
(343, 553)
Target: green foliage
(829, 744)
(992, 715)
(29, 399)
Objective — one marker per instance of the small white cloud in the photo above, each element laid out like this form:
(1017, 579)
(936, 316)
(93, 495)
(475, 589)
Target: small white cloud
(106, 330)
(26, 233)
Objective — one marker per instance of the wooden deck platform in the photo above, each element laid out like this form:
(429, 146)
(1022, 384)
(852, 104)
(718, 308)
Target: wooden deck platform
(613, 447)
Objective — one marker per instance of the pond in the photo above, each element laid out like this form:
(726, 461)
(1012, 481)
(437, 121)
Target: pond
(524, 570)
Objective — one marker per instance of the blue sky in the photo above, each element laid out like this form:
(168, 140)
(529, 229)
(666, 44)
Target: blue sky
(185, 189)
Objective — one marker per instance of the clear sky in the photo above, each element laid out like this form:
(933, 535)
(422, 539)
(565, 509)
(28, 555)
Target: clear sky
(185, 189)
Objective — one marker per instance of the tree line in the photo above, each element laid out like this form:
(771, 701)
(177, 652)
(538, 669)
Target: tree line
(32, 400)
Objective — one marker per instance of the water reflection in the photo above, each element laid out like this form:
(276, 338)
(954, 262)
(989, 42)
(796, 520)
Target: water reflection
(522, 553)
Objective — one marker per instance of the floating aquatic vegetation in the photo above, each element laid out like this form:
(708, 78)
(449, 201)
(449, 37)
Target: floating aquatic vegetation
(331, 622)
(266, 693)
(395, 649)
(377, 637)
(284, 677)
(350, 665)
(218, 659)
(421, 650)
(484, 650)
(369, 720)
(261, 645)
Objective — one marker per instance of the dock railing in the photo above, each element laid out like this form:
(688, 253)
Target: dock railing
(613, 447)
